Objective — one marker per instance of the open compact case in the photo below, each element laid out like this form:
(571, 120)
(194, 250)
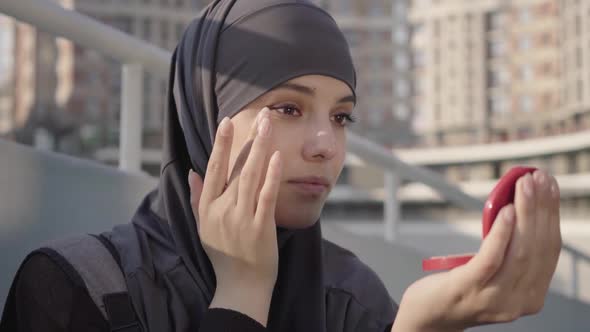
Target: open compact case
(500, 196)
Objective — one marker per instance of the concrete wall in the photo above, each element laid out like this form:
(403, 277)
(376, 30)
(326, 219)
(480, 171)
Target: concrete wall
(45, 196)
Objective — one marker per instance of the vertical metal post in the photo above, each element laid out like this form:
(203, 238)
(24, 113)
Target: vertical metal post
(391, 206)
(131, 118)
(575, 276)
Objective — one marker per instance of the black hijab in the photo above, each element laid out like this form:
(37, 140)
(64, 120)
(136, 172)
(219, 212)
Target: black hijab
(232, 53)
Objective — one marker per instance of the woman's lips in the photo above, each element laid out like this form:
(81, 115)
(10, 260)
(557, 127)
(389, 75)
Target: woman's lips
(311, 185)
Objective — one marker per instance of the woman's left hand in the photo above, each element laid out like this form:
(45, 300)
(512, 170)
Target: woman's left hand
(508, 278)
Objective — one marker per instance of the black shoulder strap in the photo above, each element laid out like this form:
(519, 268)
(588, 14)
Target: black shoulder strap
(96, 262)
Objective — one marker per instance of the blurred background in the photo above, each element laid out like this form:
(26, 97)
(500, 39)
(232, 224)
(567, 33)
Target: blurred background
(436, 78)
(464, 89)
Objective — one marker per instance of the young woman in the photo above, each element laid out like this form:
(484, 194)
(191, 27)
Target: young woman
(260, 96)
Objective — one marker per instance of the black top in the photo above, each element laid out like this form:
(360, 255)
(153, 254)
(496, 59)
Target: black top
(48, 299)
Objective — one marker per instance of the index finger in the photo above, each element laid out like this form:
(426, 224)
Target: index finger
(243, 155)
(216, 174)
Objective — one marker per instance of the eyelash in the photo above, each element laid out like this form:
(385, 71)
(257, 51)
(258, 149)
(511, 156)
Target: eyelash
(350, 119)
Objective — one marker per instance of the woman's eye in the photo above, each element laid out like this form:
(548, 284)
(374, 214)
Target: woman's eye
(344, 119)
(288, 110)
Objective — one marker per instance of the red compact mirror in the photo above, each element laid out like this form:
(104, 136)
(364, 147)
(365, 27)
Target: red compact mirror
(501, 195)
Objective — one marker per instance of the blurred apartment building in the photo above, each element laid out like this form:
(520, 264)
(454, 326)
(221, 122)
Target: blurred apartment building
(378, 32)
(498, 70)
(60, 94)
(494, 80)
(67, 98)
(6, 63)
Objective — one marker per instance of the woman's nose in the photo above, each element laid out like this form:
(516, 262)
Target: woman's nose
(321, 145)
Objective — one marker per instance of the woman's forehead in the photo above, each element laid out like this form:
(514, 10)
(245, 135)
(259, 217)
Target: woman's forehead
(317, 85)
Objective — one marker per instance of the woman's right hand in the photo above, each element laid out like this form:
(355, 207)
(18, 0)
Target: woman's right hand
(236, 223)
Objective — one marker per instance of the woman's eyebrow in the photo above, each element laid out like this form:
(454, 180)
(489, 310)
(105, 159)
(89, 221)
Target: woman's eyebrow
(311, 91)
(297, 87)
(347, 99)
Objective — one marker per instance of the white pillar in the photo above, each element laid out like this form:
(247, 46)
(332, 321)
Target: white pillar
(131, 118)
(575, 277)
(391, 207)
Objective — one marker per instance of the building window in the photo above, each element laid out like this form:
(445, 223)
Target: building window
(495, 20)
(402, 111)
(418, 86)
(437, 83)
(147, 29)
(92, 108)
(436, 28)
(376, 64)
(524, 15)
(419, 59)
(401, 62)
(526, 104)
(498, 104)
(498, 77)
(417, 29)
(496, 48)
(523, 133)
(526, 72)
(548, 99)
(524, 43)
(375, 117)
(468, 21)
(164, 31)
(545, 39)
(352, 36)
(400, 8)
(345, 6)
(546, 69)
(452, 100)
(401, 34)
(376, 8)
(436, 56)
(179, 30)
(402, 89)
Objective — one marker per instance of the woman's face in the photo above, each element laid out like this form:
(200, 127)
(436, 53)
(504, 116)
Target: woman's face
(309, 116)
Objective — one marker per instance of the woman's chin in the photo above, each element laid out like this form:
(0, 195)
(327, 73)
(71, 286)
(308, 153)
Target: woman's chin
(298, 221)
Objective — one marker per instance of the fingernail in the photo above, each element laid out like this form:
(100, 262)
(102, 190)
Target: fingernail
(509, 215)
(224, 127)
(264, 127)
(260, 115)
(528, 185)
(554, 191)
(190, 174)
(539, 178)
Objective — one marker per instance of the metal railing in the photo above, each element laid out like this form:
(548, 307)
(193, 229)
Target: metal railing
(137, 55)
